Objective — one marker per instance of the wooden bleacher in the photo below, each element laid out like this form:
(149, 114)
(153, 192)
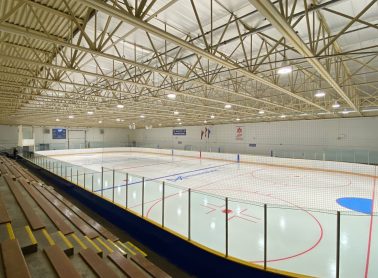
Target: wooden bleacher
(61, 263)
(98, 265)
(71, 240)
(13, 259)
(34, 221)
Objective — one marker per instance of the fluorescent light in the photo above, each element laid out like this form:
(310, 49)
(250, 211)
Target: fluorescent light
(261, 112)
(142, 116)
(122, 120)
(118, 120)
(100, 122)
(176, 113)
(180, 123)
(71, 117)
(90, 112)
(285, 68)
(304, 114)
(178, 119)
(171, 96)
(369, 110)
(120, 106)
(336, 105)
(212, 116)
(283, 116)
(57, 120)
(205, 122)
(228, 106)
(320, 93)
(237, 119)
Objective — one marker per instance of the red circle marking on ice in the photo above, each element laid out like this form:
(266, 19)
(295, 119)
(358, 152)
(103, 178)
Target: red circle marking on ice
(227, 211)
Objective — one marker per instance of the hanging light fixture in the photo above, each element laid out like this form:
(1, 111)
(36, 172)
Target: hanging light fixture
(285, 67)
(336, 105)
(320, 93)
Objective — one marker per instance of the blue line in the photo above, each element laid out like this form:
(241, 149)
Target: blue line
(163, 177)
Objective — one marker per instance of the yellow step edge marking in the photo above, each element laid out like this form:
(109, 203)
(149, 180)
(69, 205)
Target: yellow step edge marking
(31, 235)
(48, 237)
(82, 245)
(110, 250)
(98, 249)
(10, 231)
(65, 239)
(116, 246)
(140, 251)
(127, 248)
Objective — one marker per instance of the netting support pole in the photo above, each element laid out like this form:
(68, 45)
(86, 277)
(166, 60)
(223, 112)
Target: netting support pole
(102, 181)
(163, 205)
(226, 227)
(265, 234)
(338, 246)
(84, 180)
(92, 181)
(127, 188)
(113, 187)
(189, 214)
(143, 197)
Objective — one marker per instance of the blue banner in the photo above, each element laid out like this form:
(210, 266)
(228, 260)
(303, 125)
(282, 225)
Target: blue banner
(180, 132)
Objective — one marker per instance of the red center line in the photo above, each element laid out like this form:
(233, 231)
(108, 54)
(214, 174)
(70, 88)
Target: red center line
(370, 231)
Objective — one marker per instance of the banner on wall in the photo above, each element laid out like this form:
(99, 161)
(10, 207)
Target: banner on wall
(239, 133)
(205, 133)
(179, 132)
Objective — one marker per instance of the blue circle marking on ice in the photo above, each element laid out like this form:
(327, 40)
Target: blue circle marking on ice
(362, 205)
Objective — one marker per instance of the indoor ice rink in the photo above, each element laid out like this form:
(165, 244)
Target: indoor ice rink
(189, 138)
(302, 202)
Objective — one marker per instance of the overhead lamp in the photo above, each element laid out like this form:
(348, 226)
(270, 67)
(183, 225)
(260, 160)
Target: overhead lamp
(283, 116)
(345, 112)
(171, 96)
(180, 123)
(120, 106)
(212, 116)
(100, 122)
(285, 68)
(176, 113)
(320, 93)
(159, 124)
(261, 112)
(335, 105)
(369, 110)
(142, 116)
(227, 106)
(118, 120)
(71, 117)
(178, 119)
(90, 112)
(205, 122)
(57, 120)
(237, 119)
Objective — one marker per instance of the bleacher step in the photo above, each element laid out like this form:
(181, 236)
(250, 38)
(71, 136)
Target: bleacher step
(63, 242)
(26, 239)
